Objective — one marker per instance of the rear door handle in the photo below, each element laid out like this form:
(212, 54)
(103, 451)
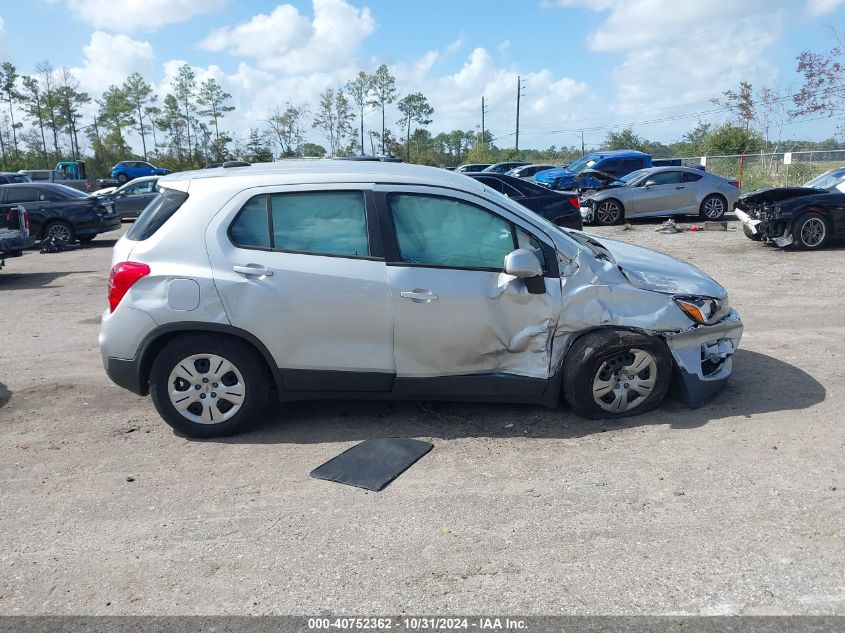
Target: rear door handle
(681, 187)
(418, 295)
(253, 270)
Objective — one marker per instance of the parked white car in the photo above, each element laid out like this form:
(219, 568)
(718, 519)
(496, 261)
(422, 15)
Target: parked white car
(343, 279)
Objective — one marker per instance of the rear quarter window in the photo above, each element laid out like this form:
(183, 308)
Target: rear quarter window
(159, 211)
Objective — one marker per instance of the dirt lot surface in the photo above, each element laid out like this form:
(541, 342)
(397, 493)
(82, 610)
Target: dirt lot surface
(737, 507)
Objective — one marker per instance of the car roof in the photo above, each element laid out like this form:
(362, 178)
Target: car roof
(319, 171)
(616, 152)
(54, 186)
(654, 170)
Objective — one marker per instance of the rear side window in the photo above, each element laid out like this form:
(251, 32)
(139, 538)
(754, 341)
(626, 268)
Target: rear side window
(318, 223)
(631, 164)
(159, 211)
(21, 194)
(689, 177)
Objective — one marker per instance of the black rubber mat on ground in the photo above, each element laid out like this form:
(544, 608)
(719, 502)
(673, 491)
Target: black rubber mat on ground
(373, 464)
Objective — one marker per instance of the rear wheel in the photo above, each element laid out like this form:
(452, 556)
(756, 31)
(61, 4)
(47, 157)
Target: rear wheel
(122, 178)
(810, 231)
(713, 207)
(208, 386)
(59, 230)
(608, 212)
(612, 374)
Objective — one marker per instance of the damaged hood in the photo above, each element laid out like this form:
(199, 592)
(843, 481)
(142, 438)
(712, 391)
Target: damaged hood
(596, 180)
(655, 271)
(775, 195)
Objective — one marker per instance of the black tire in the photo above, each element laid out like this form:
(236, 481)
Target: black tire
(587, 359)
(614, 214)
(246, 361)
(122, 178)
(803, 235)
(751, 236)
(59, 229)
(87, 239)
(705, 205)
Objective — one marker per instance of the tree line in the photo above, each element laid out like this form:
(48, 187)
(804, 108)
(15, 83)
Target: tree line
(46, 117)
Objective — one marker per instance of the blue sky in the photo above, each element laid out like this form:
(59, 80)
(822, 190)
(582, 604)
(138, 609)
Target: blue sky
(588, 64)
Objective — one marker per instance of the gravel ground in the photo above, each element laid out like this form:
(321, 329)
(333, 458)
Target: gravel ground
(734, 508)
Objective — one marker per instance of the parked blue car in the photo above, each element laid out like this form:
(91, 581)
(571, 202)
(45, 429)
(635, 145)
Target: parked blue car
(127, 170)
(617, 163)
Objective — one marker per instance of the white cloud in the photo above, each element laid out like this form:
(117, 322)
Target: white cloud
(817, 8)
(456, 45)
(548, 103)
(680, 53)
(110, 58)
(125, 16)
(2, 36)
(291, 42)
(503, 46)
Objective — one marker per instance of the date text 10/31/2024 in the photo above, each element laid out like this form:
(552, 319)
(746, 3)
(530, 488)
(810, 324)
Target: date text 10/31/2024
(417, 624)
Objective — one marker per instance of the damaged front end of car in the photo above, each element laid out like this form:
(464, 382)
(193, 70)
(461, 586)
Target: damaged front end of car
(768, 214)
(640, 290)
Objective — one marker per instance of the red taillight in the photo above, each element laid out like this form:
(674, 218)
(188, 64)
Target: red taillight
(573, 200)
(734, 183)
(26, 222)
(121, 279)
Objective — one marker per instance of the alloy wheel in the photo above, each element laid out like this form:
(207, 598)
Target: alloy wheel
(206, 388)
(714, 208)
(625, 380)
(813, 232)
(59, 231)
(608, 213)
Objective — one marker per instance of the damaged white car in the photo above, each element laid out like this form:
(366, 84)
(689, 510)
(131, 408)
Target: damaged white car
(340, 279)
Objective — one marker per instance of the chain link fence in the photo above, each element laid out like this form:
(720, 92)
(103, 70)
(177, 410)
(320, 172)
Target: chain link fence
(772, 169)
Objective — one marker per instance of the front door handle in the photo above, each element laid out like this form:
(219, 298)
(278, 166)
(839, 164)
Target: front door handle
(418, 295)
(253, 270)
(681, 187)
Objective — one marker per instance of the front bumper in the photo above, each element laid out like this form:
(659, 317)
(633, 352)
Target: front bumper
(778, 231)
(587, 213)
(703, 357)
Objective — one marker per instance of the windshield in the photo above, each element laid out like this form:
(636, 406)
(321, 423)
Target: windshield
(828, 180)
(585, 162)
(633, 176)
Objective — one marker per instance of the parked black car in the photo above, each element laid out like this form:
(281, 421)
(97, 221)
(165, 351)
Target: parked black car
(501, 168)
(560, 208)
(7, 177)
(470, 167)
(806, 217)
(59, 211)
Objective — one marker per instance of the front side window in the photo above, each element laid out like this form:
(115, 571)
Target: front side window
(664, 178)
(318, 223)
(438, 231)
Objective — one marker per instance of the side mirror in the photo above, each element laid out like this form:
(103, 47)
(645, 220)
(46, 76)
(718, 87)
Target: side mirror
(524, 264)
(649, 183)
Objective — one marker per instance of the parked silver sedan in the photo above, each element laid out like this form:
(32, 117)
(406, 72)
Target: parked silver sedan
(660, 191)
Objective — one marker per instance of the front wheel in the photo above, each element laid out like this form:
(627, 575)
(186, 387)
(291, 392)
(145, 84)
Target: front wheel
(608, 212)
(612, 374)
(810, 231)
(208, 386)
(122, 178)
(713, 207)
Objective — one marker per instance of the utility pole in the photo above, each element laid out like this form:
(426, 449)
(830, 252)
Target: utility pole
(583, 151)
(483, 112)
(519, 86)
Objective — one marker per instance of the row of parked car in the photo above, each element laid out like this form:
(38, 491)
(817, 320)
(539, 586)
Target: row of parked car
(616, 185)
(34, 211)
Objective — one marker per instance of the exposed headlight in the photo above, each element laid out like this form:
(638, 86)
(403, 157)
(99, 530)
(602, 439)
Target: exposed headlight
(704, 310)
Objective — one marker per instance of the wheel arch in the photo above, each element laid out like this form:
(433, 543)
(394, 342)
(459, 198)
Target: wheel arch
(155, 341)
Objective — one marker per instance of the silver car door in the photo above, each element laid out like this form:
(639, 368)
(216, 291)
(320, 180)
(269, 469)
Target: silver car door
(665, 195)
(301, 268)
(455, 310)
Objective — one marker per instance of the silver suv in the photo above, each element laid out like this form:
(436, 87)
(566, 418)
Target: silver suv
(342, 279)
